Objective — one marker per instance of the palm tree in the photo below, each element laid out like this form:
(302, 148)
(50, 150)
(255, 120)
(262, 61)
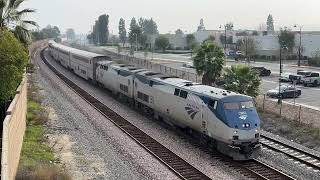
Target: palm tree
(13, 19)
(209, 62)
(242, 79)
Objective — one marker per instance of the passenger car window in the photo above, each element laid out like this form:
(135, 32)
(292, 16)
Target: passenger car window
(176, 92)
(183, 94)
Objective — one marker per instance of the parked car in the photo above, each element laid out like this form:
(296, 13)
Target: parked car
(296, 78)
(312, 79)
(262, 71)
(188, 65)
(285, 77)
(303, 72)
(286, 91)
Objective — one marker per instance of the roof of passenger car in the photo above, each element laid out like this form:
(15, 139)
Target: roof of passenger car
(78, 52)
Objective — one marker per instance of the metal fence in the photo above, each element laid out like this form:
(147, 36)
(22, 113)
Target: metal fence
(290, 111)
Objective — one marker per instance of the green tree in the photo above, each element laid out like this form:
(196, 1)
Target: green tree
(135, 31)
(209, 62)
(122, 31)
(229, 26)
(13, 18)
(190, 40)
(211, 38)
(270, 26)
(255, 33)
(45, 33)
(13, 60)
(149, 27)
(286, 39)
(162, 42)
(248, 46)
(103, 29)
(71, 35)
(51, 32)
(242, 79)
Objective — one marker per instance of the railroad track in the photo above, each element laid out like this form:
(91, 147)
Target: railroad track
(310, 160)
(252, 169)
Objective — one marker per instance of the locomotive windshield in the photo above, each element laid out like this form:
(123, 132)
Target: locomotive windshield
(237, 105)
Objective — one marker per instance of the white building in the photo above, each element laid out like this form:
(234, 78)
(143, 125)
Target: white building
(269, 45)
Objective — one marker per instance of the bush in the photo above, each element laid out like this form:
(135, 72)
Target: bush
(13, 60)
(263, 57)
(314, 62)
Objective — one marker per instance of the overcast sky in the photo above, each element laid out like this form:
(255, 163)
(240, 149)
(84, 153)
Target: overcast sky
(173, 14)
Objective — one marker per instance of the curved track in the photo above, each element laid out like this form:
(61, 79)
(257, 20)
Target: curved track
(251, 169)
(294, 153)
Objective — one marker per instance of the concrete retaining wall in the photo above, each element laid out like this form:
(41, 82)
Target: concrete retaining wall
(14, 127)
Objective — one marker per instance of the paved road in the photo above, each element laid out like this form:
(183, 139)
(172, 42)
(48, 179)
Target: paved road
(309, 95)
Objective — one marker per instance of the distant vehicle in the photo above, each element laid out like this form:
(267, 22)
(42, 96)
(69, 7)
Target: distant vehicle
(312, 79)
(238, 53)
(262, 71)
(295, 78)
(285, 77)
(188, 65)
(286, 91)
(303, 73)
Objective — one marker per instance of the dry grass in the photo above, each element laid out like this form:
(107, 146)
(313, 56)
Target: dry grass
(304, 134)
(42, 172)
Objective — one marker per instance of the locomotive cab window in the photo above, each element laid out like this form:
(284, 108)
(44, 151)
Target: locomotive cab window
(183, 94)
(212, 104)
(246, 105)
(234, 105)
(176, 92)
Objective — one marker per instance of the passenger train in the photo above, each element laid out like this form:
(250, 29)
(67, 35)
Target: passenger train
(225, 120)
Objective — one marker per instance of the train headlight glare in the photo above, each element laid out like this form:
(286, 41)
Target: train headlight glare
(243, 125)
(257, 130)
(235, 132)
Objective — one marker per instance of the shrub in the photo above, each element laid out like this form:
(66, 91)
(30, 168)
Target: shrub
(13, 60)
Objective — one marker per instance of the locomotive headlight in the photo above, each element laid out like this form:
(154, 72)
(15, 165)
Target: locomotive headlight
(243, 125)
(257, 130)
(235, 132)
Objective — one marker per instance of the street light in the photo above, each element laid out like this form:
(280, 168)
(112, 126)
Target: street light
(280, 61)
(225, 37)
(300, 32)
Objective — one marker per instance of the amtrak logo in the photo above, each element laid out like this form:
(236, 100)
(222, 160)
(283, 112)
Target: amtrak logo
(192, 112)
(243, 115)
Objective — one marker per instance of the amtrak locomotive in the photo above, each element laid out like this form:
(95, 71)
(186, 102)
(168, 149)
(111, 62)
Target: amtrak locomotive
(225, 120)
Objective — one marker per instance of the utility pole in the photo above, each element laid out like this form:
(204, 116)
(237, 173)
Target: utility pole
(280, 62)
(136, 42)
(299, 53)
